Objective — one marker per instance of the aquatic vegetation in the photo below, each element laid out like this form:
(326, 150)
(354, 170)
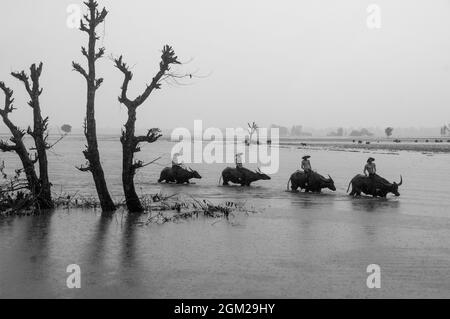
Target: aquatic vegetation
(14, 194)
(162, 208)
(174, 209)
(68, 201)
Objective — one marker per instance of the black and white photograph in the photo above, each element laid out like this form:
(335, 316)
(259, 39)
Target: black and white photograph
(236, 152)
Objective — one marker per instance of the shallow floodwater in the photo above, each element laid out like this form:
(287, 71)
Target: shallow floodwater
(298, 245)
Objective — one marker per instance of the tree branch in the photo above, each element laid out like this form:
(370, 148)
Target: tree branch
(5, 147)
(33, 89)
(35, 73)
(100, 16)
(100, 53)
(84, 52)
(128, 75)
(136, 165)
(8, 107)
(152, 136)
(98, 83)
(94, 18)
(80, 70)
(82, 168)
(168, 58)
(83, 26)
(24, 78)
(149, 163)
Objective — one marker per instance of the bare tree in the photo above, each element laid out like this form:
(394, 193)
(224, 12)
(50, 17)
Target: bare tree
(388, 131)
(17, 145)
(445, 129)
(91, 21)
(252, 129)
(39, 131)
(130, 142)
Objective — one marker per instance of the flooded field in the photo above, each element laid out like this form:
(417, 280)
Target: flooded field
(297, 246)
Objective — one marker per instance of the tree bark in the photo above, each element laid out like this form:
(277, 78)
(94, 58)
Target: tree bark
(92, 155)
(128, 171)
(38, 133)
(18, 145)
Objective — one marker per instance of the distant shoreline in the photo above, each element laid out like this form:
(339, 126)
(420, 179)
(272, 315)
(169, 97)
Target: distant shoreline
(413, 144)
(419, 146)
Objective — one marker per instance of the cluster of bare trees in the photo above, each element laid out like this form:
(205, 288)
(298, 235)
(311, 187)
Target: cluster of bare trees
(39, 184)
(39, 187)
(130, 142)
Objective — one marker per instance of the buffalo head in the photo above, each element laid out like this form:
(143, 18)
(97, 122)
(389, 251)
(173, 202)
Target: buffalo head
(395, 187)
(195, 174)
(330, 184)
(261, 175)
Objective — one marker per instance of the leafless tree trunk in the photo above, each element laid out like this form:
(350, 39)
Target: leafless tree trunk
(39, 131)
(90, 23)
(18, 145)
(130, 142)
(252, 128)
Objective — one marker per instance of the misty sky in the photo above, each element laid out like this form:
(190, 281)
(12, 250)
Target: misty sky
(312, 62)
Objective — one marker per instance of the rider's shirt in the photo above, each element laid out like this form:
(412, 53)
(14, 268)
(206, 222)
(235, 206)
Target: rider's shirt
(176, 160)
(371, 168)
(238, 159)
(306, 165)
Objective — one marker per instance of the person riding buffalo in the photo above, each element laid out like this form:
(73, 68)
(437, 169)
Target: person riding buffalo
(238, 160)
(306, 167)
(177, 164)
(370, 167)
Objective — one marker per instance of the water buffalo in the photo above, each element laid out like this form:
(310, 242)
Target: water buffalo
(178, 175)
(376, 186)
(242, 176)
(316, 183)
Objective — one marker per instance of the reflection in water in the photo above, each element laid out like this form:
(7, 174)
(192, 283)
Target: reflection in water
(36, 238)
(129, 260)
(25, 254)
(300, 245)
(312, 200)
(97, 247)
(375, 204)
(128, 244)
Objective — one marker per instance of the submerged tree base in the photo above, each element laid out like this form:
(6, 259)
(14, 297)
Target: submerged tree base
(159, 208)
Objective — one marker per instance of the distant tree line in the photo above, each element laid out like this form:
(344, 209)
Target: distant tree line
(338, 132)
(295, 130)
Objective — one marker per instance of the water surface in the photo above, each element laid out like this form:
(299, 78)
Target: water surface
(298, 246)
